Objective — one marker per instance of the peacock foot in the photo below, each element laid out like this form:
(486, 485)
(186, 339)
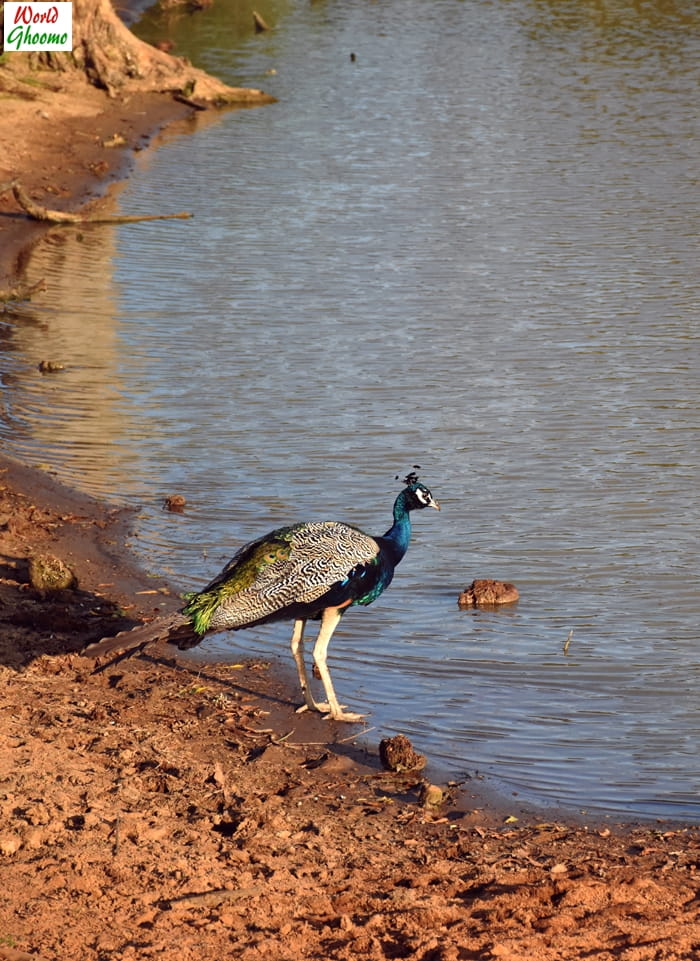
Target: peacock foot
(323, 707)
(341, 715)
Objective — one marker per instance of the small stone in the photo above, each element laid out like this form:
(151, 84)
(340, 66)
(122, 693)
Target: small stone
(431, 796)
(48, 574)
(10, 844)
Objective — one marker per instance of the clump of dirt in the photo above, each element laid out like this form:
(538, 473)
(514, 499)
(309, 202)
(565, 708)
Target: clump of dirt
(485, 592)
(398, 754)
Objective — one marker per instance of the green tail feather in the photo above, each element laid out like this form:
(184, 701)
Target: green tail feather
(200, 609)
(239, 574)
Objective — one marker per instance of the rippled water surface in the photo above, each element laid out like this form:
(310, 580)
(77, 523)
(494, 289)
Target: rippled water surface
(471, 247)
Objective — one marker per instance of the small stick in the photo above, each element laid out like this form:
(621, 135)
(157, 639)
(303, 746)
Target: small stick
(568, 641)
(259, 23)
(342, 740)
(218, 896)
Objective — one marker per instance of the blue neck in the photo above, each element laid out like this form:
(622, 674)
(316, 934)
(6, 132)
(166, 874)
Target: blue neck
(400, 531)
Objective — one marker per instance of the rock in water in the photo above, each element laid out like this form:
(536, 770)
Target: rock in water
(485, 592)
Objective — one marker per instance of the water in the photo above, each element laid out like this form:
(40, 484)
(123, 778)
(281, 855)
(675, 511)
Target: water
(473, 247)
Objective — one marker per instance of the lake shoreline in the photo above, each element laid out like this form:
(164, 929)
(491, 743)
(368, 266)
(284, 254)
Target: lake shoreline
(160, 805)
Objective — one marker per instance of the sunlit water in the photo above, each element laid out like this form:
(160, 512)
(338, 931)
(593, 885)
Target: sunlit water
(472, 247)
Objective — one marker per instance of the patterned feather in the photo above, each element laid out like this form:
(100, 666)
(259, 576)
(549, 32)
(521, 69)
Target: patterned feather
(309, 570)
(293, 566)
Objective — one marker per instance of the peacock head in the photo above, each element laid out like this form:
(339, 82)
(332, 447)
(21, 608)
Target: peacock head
(415, 495)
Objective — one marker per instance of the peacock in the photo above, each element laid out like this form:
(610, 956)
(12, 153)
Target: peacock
(310, 570)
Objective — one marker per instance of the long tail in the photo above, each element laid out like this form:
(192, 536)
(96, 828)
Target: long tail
(175, 629)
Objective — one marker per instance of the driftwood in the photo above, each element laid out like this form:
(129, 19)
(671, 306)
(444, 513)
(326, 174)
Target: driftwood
(37, 212)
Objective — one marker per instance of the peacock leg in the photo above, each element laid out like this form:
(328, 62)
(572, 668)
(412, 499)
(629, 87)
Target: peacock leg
(298, 652)
(329, 621)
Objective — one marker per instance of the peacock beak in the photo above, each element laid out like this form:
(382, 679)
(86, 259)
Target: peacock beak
(434, 503)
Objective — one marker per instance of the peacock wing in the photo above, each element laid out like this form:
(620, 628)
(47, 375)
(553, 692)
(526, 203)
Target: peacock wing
(291, 566)
(325, 556)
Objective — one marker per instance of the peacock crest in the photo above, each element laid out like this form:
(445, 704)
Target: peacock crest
(411, 478)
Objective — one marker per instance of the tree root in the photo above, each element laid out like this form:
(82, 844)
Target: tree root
(114, 59)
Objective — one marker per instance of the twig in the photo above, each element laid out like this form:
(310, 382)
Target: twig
(351, 737)
(568, 641)
(116, 834)
(283, 738)
(256, 732)
(342, 740)
(259, 23)
(212, 898)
